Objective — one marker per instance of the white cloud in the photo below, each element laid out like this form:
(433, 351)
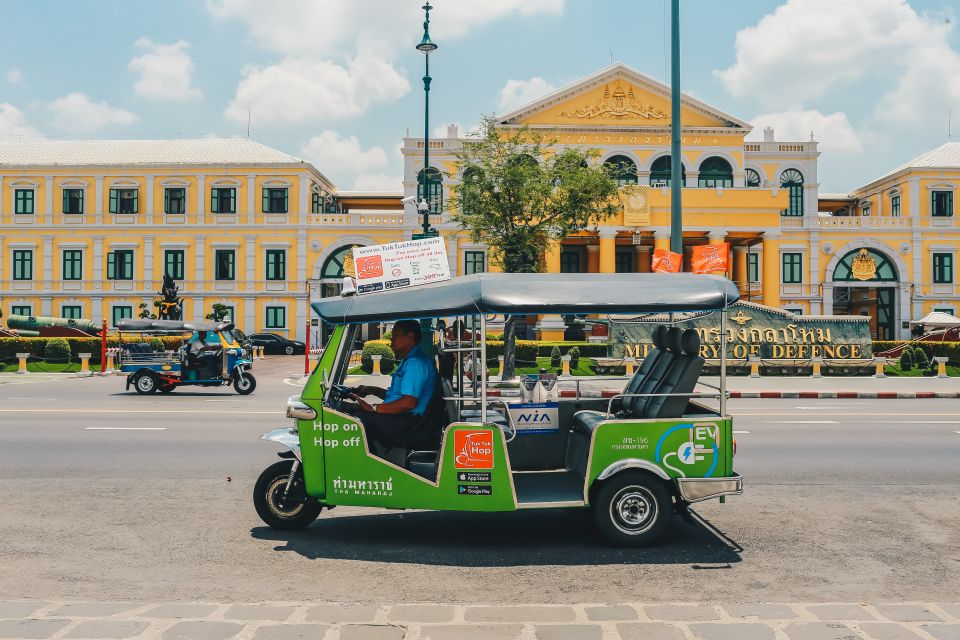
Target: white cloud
(14, 76)
(833, 131)
(165, 71)
(331, 152)
(519, 92)
(377, 182)
(807, 49)
(77, 113)
(299, 89)
(14, 124)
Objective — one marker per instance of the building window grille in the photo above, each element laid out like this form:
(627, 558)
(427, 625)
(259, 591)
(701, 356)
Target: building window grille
(792, 181)
(124, 201)
(72, 264)
(21, 310)
(276, 317)
(276, 264)
(474, 262)
(753, 179)
(715, 172)
(225, 264)
(275, 200)
(792, 268)
(942, 203)
(433, 189)
(660, 173)
(173, 260)
(943, 268)
(23, 201)
(23, 264)
(175, 200)
(753, 267)
(223, 200)
(120, 265)
(316, 202)
(71, 311)
(622, 169)
(121, 312)
(570, 261)
(895, 206)
(73, 201)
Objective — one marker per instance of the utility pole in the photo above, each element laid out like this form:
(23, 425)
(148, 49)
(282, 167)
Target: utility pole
(676, 164)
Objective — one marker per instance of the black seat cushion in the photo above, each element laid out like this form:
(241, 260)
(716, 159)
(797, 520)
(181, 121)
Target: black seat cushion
(681, 379)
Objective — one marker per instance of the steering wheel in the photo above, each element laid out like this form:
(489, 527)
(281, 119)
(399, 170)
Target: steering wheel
(338, 393)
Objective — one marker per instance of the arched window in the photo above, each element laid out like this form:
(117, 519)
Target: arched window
(792, 180)
(622, 169)
(715, 172)
(433, 189)
(470, 179)
(660, 173)
(333, 266)
(753, 179)
(886, 271)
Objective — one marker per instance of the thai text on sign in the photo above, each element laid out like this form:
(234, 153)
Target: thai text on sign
(400, 264)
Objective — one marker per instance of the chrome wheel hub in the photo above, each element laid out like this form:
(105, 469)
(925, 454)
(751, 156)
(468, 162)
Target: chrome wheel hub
(633, 510)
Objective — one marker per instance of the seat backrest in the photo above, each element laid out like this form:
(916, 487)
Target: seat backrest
(681, 379)
(658, 372)
(659, 345)
(446, 389)
(425, 434)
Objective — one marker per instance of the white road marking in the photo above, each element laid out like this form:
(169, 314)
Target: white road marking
(239, 413)
(125, 428)
(741, 432)
(828, 406)
(956, 431)
(806, 422)
(30, 398)
(294, 383)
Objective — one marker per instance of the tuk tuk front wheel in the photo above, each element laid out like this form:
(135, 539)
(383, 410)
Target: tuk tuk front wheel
(167, 388)
(279, 508)
(632, 509)
(146, 383)
(244, 383)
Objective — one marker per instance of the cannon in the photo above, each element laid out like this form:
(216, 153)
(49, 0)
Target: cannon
(47, 326)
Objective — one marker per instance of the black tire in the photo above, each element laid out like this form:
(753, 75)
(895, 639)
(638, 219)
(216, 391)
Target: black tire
(146, 383)
(297, 512)
(244, 383)
(289, 350)
(167, 388)
(632, 509)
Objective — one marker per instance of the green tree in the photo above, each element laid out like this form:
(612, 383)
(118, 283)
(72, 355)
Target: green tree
(521, 196)
(219, 312)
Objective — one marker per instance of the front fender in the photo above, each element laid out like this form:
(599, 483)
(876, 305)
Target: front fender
(287, 437)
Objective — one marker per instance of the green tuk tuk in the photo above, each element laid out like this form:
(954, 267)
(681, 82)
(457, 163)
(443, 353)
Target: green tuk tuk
(634, 459)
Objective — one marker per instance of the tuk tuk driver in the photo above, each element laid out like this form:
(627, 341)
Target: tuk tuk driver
(411, 388)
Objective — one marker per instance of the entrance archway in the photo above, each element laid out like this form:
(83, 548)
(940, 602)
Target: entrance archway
(865, 283)
(328, 283)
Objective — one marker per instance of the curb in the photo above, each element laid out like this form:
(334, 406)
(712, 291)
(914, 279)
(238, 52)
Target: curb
(871, 395)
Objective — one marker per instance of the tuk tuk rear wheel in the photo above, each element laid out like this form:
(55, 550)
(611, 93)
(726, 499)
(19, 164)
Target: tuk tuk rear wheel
(244, 383)
(632, 509)
(146, 383)
(296, 511)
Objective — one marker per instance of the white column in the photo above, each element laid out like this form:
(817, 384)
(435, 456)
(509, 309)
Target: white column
(148, 262)
(251, 249)
(301, 256)
(48, 209)
(148, 205)
(251, 198)
(301, 319)
(917, 276)
(814, 278)
(198, 307)
(249, 315)
(200, 249)
(304, 199)
(98, 263)
(1, 193)
(201, 199)
(47, 262)
(98, 200)
(903, 295)
(46, 306)
(96, 310)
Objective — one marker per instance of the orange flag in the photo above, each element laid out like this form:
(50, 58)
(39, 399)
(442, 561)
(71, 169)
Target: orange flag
(665, 261)
(707, 258)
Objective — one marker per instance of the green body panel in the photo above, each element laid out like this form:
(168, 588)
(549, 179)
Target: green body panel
(683, 448)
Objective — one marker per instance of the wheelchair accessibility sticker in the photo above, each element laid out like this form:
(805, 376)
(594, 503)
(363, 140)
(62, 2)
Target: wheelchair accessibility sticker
(699, 446)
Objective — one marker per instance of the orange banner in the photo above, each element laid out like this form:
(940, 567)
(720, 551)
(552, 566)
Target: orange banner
(665, 261)
(707, 258)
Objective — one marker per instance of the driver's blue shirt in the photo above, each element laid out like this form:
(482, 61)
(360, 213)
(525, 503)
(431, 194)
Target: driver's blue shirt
(416, 376)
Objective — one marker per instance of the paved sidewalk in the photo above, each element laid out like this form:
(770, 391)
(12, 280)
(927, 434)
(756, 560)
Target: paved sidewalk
(329, 621)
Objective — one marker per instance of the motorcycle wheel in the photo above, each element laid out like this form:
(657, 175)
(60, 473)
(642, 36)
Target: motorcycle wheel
(297, 511)
(244, 384)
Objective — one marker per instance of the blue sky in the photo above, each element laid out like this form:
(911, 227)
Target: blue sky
(338, 81)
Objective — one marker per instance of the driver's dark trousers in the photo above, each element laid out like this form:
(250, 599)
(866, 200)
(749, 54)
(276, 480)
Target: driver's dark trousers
(385, 428)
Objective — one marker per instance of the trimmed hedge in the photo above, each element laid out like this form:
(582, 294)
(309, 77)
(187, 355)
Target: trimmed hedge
(949, 350)
(56, 350)
(378, 348)
(587, 349)
(10, 347)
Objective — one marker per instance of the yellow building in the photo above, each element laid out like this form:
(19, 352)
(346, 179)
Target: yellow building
(761, 197)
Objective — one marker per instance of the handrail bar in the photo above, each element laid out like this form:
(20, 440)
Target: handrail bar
(659, 395)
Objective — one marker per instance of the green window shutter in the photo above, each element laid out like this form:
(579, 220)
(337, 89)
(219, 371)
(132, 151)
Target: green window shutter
(266, 201)
(286, 200)
(166, 200)
(215, 200)
(114, 200)
(111, 266)
(136, 198)
(66, 201)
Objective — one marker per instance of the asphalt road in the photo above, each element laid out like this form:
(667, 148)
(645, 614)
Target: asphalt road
(108, 495)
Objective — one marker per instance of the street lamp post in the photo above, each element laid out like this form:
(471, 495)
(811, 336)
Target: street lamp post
(425, 47)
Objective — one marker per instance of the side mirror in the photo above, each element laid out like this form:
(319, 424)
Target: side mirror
(299, 410)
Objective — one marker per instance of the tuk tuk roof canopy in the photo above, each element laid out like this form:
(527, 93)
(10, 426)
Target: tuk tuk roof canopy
(536, 293)
(172, 326)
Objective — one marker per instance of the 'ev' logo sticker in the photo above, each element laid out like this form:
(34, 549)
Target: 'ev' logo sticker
(474, 449)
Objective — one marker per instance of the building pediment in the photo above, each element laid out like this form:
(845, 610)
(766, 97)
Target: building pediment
(618, 97)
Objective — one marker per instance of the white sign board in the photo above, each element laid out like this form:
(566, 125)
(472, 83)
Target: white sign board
(400, 264)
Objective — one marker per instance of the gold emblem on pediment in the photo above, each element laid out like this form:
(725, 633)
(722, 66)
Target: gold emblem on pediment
(740, 317)
(864, 267)
(619, 105)
(636, 205)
